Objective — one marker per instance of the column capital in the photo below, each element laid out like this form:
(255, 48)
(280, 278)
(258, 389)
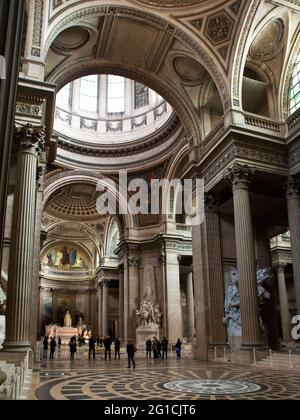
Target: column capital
(28, 137)
(134, 261)
(211, 202)
(293, 187)
(239, 176)
(105, 283)
(280, 267)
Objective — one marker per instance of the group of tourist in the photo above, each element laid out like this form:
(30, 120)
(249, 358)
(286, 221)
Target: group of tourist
(160, 349)
(52, 344)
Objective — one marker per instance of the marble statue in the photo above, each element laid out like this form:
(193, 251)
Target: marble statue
(68, 319)
(232, 300)
(2, 301)
(262, 275)
(232, 307)
(149, 314)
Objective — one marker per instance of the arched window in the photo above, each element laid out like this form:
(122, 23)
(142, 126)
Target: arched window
(115, 94)
(295, 88)
(89, 93)
(141, 95)
(63, 97)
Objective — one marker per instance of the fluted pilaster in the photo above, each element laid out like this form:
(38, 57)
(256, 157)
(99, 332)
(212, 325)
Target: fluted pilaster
(105, 287)
(190, 306)
(283, 302)
(293, 200)
(121, 303)
(100, 301)
(240, 177)
(134, 294)
(215, 272)
(29, 142)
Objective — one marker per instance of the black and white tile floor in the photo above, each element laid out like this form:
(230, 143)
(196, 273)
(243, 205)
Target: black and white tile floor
(175, 379)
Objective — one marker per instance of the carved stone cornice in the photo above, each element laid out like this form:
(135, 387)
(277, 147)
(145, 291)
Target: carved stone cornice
(293, 188)
(239, 176)
(29, 137)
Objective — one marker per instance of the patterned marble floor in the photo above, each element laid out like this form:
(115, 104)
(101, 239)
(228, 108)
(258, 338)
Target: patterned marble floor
(182, 379)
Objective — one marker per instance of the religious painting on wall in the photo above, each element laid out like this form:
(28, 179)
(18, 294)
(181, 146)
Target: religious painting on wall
(67, 258)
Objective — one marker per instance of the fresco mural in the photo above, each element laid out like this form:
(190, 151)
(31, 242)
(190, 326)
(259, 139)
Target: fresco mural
(65, 258)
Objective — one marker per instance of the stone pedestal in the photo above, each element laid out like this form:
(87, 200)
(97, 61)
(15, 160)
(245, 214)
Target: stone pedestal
(65, 333)
(144, 333)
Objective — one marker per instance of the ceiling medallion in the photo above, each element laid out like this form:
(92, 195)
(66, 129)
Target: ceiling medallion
(269, 41)
(71, 39)
(188, 69)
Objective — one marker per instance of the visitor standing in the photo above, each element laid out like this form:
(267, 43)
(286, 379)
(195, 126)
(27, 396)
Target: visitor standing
(107, 346)
(45, 347)
(131, 349)
(92, 343)
(52, 347)
(158, 348)
(178, 347)
(117, 348)
(164, 347)
(148, 348)
(73, 347)
(154, 347)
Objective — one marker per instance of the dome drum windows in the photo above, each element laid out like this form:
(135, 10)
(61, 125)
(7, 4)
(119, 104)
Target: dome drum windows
(294, 92)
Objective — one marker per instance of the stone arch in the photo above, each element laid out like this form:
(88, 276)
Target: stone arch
(92, 233)
(243, 45)
(64, 178)
(184, 108)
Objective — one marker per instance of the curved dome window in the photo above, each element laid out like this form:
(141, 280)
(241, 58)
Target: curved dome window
(110, 108)
(141, 95)
(294, 98)
(115, 95)
(89, 93)
(63, 97)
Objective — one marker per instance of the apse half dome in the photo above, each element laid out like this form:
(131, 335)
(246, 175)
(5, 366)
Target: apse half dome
(109, 109)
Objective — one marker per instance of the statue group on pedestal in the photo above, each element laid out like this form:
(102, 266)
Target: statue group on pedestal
(149, 314)
(232, 311)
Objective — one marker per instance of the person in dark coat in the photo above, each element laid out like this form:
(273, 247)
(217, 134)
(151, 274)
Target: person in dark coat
(52, 347)
(107, 346)
(158, 348)
(131, 349)
(45, 347)
(178, 347)
(164, 347)
(148, 348)
(73, 347)
(117, 348)
(59, 342)
(92, 343)
(154, 347)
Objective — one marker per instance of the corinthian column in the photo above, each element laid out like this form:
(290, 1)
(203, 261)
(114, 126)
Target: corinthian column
(100, 301)
(240, 176)
(284, 303)
(105, 285)
(30, 141)
(293, 197)
(190, 306)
